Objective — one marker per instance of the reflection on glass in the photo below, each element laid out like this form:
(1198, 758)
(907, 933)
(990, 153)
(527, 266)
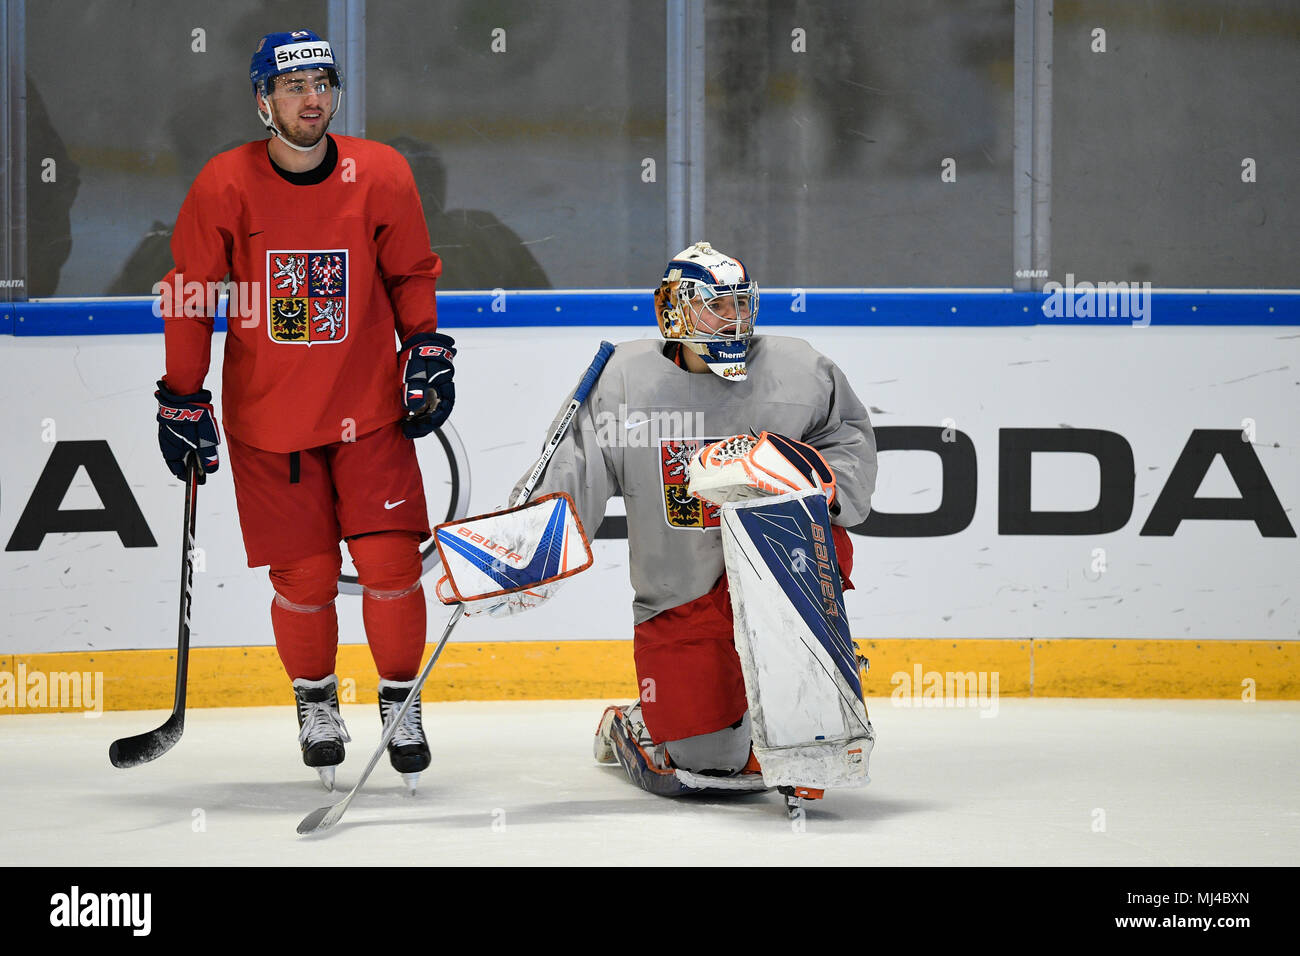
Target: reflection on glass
(828, 125)
(171, 90)
(1155, 118)
(541, 117)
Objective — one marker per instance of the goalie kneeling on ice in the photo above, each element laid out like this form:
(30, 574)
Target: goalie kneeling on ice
(809, 723)
(493, 558)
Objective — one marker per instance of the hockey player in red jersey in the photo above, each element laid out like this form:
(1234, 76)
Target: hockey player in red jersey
(325, 240)
(709, 379)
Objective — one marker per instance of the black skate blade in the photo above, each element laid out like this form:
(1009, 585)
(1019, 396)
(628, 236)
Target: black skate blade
(142, 748)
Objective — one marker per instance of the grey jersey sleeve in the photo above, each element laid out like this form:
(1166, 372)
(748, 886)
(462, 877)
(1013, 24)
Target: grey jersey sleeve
(578, 467)
(848, 444)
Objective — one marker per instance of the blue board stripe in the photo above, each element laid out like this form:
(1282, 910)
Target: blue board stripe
(779, 307)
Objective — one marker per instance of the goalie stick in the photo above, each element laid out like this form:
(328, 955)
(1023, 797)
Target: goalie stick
(133, 751)
(323, 818)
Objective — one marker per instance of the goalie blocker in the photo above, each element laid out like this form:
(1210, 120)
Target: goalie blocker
(810, 728)
(511, 555)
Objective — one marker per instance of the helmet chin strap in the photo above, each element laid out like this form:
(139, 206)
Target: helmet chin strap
(269, 122)
(724, 359)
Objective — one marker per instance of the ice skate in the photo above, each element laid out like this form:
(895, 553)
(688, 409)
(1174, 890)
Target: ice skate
(602, 746)
(321, 731)
(408, 751)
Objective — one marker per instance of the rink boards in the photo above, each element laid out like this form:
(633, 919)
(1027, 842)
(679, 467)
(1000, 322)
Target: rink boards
(1104, 510)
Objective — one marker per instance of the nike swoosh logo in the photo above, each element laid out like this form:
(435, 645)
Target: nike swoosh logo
(258, 233)
(630, 425)
(390, 507)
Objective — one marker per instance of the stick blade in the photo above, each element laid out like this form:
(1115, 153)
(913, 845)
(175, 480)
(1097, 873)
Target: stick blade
(142, 748)
(323, 818)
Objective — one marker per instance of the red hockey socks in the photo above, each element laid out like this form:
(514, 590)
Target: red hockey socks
(303, 617)
(305, 621)
(392, 603)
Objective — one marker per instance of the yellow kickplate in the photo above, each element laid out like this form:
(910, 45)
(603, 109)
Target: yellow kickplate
(1213, 670)
(551, 670)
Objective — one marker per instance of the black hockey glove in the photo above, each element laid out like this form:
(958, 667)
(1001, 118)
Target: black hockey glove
(427, 389)
(187, 426)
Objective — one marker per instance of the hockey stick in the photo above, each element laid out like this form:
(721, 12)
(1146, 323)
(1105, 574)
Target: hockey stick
(133, 751)
(323, 818)
(579, 396)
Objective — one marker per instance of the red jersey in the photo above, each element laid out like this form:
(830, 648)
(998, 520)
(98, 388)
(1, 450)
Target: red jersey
(328, 266)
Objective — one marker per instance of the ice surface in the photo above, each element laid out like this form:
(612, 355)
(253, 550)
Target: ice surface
(1042, 782)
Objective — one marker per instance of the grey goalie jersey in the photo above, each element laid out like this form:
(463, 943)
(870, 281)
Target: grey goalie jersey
(647, 417)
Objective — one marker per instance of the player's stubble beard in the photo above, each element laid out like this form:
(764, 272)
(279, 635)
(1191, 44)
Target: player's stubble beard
(292, 129)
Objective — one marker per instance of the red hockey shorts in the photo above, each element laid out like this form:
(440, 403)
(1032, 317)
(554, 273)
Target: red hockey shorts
(686, 662)
(296, 504)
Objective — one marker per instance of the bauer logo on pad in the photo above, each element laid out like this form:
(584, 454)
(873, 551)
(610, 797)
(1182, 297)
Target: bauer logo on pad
(513, 550)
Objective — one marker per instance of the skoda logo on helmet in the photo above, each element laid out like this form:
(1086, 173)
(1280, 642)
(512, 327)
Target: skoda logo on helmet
(303, 53)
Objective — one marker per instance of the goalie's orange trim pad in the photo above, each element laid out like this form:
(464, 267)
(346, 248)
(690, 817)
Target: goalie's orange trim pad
(577, 520)
(830, 485)
(650, 764)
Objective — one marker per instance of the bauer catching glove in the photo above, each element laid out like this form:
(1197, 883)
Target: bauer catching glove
(503, 605)
(187, 426)
(428, 392)
(743, 466)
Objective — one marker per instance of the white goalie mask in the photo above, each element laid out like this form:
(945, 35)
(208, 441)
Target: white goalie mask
(708, 302)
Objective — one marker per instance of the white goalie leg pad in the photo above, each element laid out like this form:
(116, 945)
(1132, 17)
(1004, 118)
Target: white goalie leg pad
(810, 725)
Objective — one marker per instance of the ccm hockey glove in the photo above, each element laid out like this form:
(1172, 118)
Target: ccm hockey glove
(427, 389)
(187, 426)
